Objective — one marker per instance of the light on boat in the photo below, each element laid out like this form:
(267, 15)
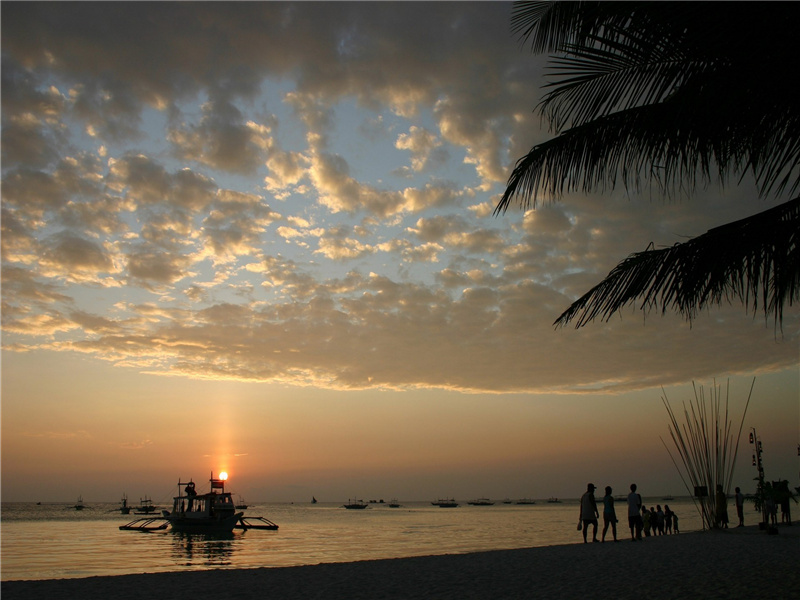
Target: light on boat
(223, 476)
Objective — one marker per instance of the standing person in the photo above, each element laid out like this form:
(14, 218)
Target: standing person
(721, 516)
(675, 523)
(740, 507)
(589, 512)
(646, 516)
(667, 519)
(634, 518)
(660, 514)
(609, 514)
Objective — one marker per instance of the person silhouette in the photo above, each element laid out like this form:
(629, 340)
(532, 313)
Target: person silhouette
(609, 514)
(634, 514)
(721, 516)
(740, 507)
(589, 512)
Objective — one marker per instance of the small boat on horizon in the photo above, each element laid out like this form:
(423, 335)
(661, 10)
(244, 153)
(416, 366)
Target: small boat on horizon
(145, 507)
(313, 500)
(241, 505)
(553, 500)
(526, 501)
(355, 504)
(79, 504)
(393, 503)
(445, 503)
(124, 508)
(481, 502)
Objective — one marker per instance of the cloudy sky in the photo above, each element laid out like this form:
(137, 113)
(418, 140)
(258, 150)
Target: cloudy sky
(259, 237)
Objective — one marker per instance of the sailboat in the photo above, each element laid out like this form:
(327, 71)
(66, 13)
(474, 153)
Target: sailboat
(313, 500)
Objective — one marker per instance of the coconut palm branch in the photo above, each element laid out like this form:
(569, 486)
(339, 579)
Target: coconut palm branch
(756, 260)
(671, 95)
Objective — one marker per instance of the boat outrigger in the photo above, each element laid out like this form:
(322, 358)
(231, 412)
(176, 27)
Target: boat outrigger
(213, 512)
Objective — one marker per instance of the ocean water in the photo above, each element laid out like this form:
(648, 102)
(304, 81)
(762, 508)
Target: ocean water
(54, 541)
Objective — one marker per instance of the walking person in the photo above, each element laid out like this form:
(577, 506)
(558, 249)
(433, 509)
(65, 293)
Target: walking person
(740, 507)
(609, 514)
(589, 512)
(634, 516)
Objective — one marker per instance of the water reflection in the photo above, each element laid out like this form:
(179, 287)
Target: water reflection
(203, 549)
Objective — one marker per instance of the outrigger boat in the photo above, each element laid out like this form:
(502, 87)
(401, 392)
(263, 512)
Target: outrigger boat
(213, 512)
(481, 502)
(445, 503)
(124, 508)
(146, 507)
(355, 504)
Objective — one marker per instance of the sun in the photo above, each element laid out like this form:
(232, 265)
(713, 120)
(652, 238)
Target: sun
(223, 476)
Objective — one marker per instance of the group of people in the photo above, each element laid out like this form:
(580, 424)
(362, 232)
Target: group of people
(640, 519)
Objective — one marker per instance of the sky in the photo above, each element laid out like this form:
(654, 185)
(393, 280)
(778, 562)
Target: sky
(258, 237)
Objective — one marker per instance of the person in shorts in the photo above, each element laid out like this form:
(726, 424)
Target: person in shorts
(589, 512)
(634, 514)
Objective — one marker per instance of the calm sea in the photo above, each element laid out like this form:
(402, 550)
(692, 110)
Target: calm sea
(53, 541)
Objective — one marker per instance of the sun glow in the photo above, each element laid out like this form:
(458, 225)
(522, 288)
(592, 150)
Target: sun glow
(223, 476)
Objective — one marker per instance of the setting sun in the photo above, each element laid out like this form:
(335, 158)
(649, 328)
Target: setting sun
(223, 476)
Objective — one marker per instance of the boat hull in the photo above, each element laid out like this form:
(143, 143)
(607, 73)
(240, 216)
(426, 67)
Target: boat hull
(204, 524)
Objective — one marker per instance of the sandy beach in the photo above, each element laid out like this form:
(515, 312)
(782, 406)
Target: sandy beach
(735, 563)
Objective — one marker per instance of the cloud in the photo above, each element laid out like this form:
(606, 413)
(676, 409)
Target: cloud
(422, 144)
(223, 139)
(146, 148)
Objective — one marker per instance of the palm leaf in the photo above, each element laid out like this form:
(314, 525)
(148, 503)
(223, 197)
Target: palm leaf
(755, 260)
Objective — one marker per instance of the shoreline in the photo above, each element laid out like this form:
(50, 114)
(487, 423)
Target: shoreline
(734, 563)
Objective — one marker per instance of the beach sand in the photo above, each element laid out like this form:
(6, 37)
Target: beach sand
(735, 563)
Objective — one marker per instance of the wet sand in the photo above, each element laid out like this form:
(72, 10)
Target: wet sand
(730, 564)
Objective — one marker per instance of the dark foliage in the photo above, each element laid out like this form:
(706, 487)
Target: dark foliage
(676, 96)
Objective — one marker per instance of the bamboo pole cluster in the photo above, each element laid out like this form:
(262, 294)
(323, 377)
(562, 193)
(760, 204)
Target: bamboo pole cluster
(706, 446)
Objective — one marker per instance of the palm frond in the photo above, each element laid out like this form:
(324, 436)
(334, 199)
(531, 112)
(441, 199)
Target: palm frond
(622, 71)
(627, 146)
(755, 260)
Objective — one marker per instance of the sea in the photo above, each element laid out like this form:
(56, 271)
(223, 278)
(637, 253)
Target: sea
(56, 541)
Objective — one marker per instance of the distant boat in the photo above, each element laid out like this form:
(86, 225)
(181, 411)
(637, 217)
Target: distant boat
(507, 501)
(393, 503)
(445, 503)
(526, 501)
(124, 508)
(241, 505)
(553, 501)
(481, 502)
(79, 504)
(313, 500)
(355, 504)
(668, 497)
(145, 507)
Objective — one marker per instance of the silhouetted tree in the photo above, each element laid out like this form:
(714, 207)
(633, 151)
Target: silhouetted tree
(676, 95)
